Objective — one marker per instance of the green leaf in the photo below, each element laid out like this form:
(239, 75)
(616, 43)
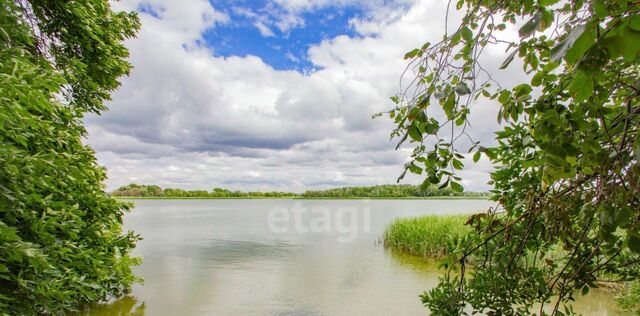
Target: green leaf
(634, 22)
(547, 20)
(476, 156)
(504, 96)
(633, 241)
(547, 3)
(509, 59)
(424, 102)
(449, 104)
(462, 89)
(626, 44)
(560, 50)
(600, 9)
(431, 128)
(466, 33)
(585, 290)
(402, 140)
(457, 164)
(522, 89)
(536, 81)
(414, 133)
(531, 26)
(455, 38)
(21, 140)
(412, 54)
(456, 187)
(582, 44)
(581, 87)
(415, 169)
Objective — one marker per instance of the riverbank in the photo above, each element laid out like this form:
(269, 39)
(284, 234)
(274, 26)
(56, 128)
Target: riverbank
(430, 238)
(302, 198)
(377, 192)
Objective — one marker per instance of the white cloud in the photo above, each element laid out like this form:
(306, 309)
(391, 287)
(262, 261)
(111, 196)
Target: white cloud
(265, 31)
(287, 21)
(187, 118)
(185, 19)
(292, 57)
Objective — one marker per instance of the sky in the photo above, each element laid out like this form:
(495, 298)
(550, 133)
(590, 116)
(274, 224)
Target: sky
(268, 95)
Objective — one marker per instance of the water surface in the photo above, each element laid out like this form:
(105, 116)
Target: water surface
(245, 257)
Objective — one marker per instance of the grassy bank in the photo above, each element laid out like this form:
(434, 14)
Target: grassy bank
(425, 236)
(629, 298)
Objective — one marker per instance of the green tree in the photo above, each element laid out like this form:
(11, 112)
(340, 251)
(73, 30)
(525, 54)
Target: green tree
(61, 243)
(567, 173)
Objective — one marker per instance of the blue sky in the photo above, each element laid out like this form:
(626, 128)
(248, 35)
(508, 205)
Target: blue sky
(283, 49)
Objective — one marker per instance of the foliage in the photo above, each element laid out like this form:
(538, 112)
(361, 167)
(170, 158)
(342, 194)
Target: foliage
(629, 300)
(61, 243)
(378, 191)
(140, 190)
(566, 155)
(427, 236)
(389, 191)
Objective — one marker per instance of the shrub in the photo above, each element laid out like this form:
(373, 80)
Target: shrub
(61, 243)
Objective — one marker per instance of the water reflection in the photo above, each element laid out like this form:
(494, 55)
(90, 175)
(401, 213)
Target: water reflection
(597, 302)
(415, 263)
(126, 306)
(218, 257)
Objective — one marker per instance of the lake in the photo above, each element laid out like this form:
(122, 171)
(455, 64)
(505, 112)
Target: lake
(283, 257)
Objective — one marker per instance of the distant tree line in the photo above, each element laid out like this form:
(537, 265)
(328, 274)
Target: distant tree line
(141, 190)
(378, 191)
(389, 191)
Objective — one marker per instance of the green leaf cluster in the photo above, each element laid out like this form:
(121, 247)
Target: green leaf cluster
(61, 243)
(566, 154)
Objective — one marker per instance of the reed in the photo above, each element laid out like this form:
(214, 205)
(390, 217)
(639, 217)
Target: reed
(426, 236)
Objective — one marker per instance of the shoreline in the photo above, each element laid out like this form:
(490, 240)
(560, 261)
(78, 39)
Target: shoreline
(302, 198)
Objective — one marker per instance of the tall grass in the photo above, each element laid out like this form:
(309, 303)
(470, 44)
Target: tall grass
(629, 299)
(425, 236)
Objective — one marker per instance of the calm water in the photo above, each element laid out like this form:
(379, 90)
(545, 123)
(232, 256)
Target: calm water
(282, 257)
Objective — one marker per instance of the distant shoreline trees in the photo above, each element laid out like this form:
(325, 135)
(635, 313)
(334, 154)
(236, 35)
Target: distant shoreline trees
(377, 191)
(141, 190)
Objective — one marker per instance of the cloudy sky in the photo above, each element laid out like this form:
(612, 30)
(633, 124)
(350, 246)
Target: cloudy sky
(267, 95)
